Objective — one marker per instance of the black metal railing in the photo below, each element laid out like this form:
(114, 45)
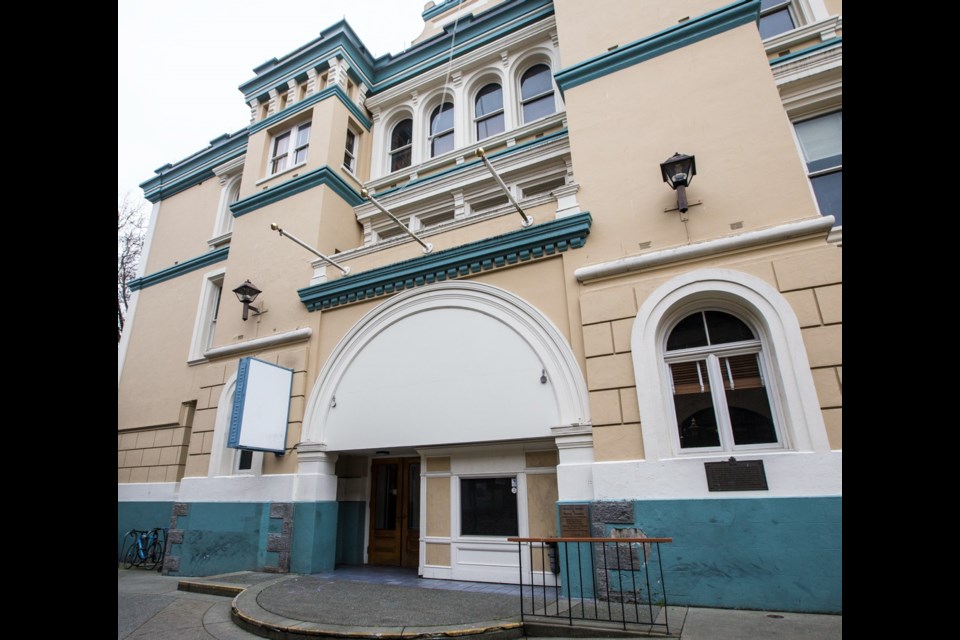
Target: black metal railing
(604, 580)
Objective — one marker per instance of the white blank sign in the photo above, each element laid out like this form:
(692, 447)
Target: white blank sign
(261, 406)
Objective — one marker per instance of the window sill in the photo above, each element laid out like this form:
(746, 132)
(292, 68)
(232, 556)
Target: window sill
(836, 235)
(824, 30)
(277, 175)
(221, 240)
(463, 154)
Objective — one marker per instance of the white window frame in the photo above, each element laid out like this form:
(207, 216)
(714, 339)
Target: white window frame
(521, 101)
(838, 228)
(289, 156)
(487, 116)
(204, 328)
(350, 149)
(792, 11)
(711, 354)
(515, 476)
(787, 366)
(451, 131)
(407, 147)
(224, 460)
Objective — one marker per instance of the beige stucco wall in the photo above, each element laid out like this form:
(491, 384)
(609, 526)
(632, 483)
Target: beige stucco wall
(588, 29)
(722, 108)
(542, 498)
(438, 507)
(184, 225)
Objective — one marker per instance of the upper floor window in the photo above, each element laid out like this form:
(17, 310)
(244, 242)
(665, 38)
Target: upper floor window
(290, 148)
(401, 143)
(718, 384)
(488, 111)
(821, 141)
(536, 93)
(350, 150)
(208, 312)
(775, 18)
(441, 129)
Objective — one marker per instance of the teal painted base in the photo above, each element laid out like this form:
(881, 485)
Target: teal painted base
(140, 515)
(314, 546)
(350, 532)
(782, 554)
(221, 537)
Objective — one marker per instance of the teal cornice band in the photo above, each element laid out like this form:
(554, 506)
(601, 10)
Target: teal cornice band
(826, 44)
(676, 37)
(510, 248)
(322, 176)
(172, 179)
(336, 90)
(177, 270)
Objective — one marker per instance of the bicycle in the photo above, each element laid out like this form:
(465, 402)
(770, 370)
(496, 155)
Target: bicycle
(146, 549)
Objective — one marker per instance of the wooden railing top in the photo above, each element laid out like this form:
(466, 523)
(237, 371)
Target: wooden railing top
(608, 540)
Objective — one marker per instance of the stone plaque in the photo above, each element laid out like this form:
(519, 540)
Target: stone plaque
(574, 521)
(736, 475)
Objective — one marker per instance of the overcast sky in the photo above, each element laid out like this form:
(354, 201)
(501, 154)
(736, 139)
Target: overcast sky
(179, 63)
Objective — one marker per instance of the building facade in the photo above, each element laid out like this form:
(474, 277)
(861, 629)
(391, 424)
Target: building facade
(606, 354)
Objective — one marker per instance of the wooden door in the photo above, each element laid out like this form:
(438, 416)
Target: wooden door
(395, 512)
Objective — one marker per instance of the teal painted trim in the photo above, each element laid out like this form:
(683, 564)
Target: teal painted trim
(314, 546)
(826, 44)
(174, 178)
(563, 133)
(334, 91)
(322, 176)
(472, 33)
(770, 554)
(517, 246)
(389, 70)
(177, 270)
(439, 8)
(220, 537)
(350, 531)
(676, 37)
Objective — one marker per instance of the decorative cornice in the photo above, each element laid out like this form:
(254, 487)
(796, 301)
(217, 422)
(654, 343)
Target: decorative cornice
(510, 248)
(174, 178)
(708, 248)
(211, 257)
(550, 137)
(335, 90)
(258, 344)
(322, 176)
(439, 8)
(827, 44)
(676, 37)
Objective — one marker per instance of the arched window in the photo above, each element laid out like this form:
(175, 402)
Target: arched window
(488, 111)
(718, 384)
(536, 93)
(401, 143)
(224, 460)
(441, 129)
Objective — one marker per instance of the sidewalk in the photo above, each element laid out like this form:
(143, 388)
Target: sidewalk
(376, 603)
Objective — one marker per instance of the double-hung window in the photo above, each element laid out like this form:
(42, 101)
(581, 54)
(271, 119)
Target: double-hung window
(821, 141)
(441, 129)
(350, 151)
(488, 110)
(536, 93)
(290, 148)
(775, 18)
(719, 386)
(401, 144)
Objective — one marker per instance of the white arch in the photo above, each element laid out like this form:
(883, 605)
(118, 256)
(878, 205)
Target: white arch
(569, 390)
(800, 407)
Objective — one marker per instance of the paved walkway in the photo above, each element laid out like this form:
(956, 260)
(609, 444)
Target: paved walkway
(378, 603)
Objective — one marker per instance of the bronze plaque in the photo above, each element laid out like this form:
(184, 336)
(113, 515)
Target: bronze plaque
(574, 521)
(736, 475)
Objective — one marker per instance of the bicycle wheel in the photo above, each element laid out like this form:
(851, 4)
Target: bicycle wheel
(154, 556)
(131, 558)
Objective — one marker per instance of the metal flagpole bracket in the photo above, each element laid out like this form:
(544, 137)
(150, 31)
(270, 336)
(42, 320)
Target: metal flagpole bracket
(427, 247)
(527, 220)
(275, 227)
